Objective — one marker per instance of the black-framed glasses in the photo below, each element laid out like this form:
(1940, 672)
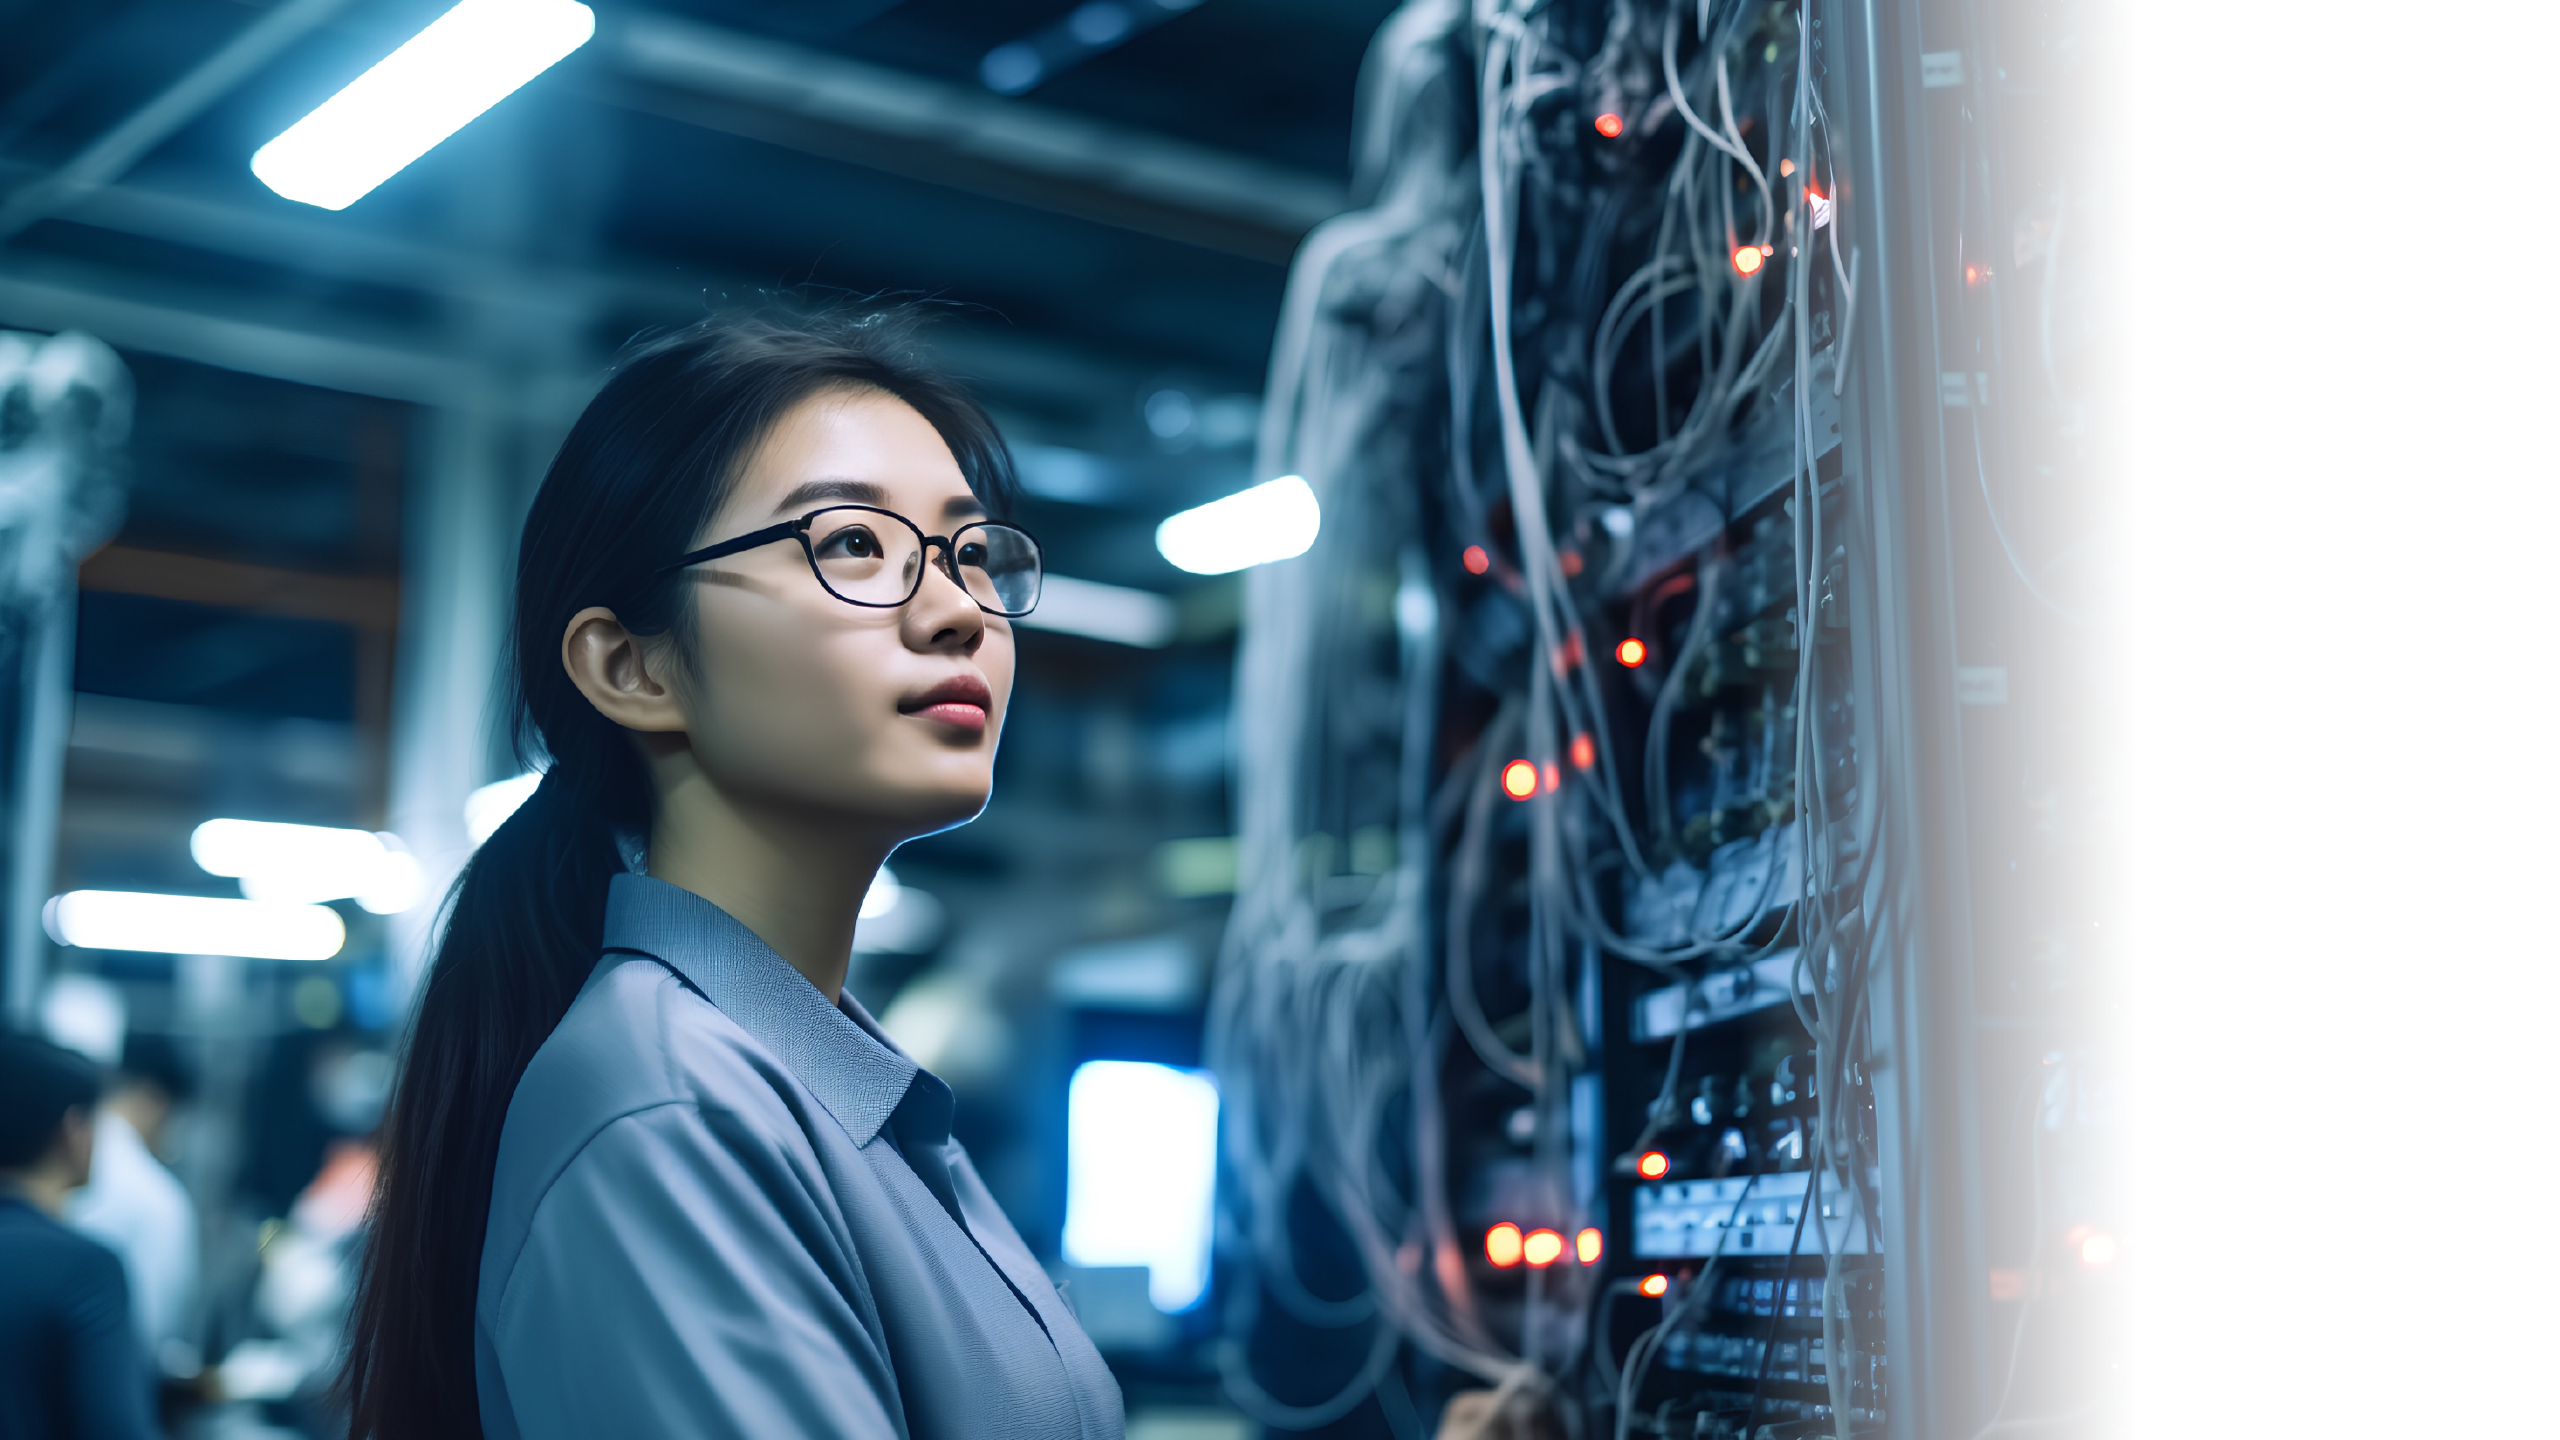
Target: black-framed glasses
(865, 555)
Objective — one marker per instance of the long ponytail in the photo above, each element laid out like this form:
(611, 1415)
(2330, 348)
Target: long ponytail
(638, 477)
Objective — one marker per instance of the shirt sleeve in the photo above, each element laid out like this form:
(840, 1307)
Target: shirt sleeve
(679, 1279)
(103, 1371)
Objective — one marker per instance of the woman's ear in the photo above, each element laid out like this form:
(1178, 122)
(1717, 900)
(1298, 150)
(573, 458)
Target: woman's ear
(611, 667)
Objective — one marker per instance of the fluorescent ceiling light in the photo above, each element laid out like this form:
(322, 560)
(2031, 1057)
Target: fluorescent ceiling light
(1142, 1164)
(474, 55)
(488, 807)
(1102, 612)
(1275, 520)
(194, 925)
(304, 864)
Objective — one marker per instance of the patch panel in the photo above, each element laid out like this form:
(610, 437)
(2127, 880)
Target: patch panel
(1752, 1215)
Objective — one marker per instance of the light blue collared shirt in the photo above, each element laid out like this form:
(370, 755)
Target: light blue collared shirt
(725, 1207)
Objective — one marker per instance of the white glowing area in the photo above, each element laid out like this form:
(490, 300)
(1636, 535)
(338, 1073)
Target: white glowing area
(305, 864)
(1142, 1164)
(1115, 613)
(1275, 520)
(474, 55)
(488, 807)
(194, 925)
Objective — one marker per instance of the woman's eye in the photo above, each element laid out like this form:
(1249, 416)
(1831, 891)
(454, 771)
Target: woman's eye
(853, 542)
(973, 553)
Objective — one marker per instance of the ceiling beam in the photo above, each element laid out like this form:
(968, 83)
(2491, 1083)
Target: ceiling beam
(963, 137)
(367, 601)
(212, 331)
(111, 154)
(234, 329)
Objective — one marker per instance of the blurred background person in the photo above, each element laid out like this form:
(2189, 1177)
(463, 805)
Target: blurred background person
(136, 1207)
(69, 1366)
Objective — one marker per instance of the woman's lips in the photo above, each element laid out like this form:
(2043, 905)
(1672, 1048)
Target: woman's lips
(956, 713)
(961, 702)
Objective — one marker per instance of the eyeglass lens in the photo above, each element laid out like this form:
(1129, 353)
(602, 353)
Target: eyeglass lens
(873, 559)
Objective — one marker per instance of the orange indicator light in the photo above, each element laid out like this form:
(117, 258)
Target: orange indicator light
(1502, 1245)
(1609, 126)
(1541, 1247)
(1631, 652)
(1585, 754)
(1786, 167)
(1746, 260)
(1653, 1165)
(1519, 779)
(1586, 1247)
(1656, 1286)
(1476, 561)
(1570, 562)
(1553, 776)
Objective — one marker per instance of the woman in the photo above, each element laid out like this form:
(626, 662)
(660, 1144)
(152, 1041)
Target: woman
(649, 1170)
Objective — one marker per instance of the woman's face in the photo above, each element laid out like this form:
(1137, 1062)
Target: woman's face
(794, 697)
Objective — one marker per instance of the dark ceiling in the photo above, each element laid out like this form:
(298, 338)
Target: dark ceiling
(659, 197)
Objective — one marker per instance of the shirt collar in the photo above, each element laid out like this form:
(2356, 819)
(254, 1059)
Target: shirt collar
(837, 1050)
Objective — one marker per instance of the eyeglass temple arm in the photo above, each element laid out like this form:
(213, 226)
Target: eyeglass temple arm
(749, 541)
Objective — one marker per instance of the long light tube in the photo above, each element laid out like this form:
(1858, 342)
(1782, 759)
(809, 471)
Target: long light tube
(1275, 520)
(309, 863)
(194, 925)
(1103, 612)
(474, 55)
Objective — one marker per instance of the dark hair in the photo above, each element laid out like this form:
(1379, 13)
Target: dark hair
(40, 1082)
(155, 1058)
(635, 482)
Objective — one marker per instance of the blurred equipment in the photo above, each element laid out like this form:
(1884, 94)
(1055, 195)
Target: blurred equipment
(1725, 1012)
(66, 405)
(1142, 1159)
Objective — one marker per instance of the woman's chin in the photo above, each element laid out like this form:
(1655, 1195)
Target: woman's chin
(929, 809)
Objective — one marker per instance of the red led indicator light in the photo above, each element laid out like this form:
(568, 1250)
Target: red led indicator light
(1554, 777)
(1541, 1247)
(1502, 1245)
(1519, 779)
(1476, 561)
(1609, 126)
(1586, 1247)
(1786, 167)
(1746, 261)
(1656, 1286)
(1653, 1165)
(1584, 753)
(2097, 1248)
(1631, 652)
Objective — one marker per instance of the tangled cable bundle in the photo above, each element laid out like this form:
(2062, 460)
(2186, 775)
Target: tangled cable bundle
(1572, 368)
